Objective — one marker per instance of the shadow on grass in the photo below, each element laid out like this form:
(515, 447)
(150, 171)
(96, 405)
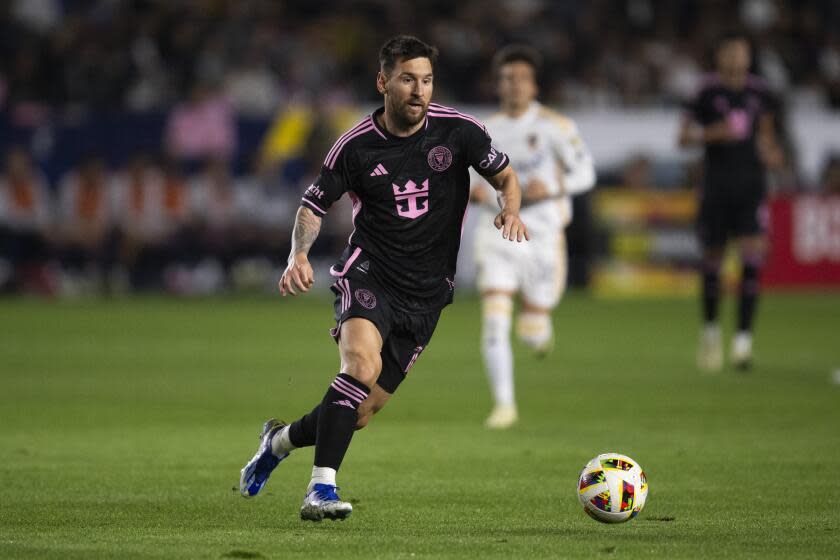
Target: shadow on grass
(241, 554)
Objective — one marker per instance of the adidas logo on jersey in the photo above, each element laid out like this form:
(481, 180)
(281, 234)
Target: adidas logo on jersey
(363, 267)
(380, 170)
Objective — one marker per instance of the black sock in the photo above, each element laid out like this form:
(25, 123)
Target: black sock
(302, 432)
(711, 292)
(749, 295)
(337, 420)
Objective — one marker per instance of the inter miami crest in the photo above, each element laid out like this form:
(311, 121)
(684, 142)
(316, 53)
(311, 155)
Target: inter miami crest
(440, 158)
(365, 298)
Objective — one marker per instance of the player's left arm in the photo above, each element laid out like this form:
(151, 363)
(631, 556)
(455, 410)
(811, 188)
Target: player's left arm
(510, 199)
(298, 276)
(575, 160)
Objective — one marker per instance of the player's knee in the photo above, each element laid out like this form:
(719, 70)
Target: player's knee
(362, 364)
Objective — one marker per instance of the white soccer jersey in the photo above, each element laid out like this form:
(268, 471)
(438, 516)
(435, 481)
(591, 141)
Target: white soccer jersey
(543, 144)
(546, 146)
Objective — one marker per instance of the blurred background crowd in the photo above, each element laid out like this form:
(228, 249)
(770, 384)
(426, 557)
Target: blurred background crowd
(155, 145)
(140, 55)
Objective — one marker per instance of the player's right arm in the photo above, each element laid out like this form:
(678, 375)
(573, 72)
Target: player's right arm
(319, 196)
(298, 275)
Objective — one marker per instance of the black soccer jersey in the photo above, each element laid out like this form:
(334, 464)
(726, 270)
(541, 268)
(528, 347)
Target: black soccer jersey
(409, 197)
(733, 168)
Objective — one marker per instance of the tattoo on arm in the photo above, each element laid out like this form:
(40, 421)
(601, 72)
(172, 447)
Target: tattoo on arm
(307, 226)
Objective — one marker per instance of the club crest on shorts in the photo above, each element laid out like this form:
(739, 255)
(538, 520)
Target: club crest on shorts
(440, 158)
(365, 298)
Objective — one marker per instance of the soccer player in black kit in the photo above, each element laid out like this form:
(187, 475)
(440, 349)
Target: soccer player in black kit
(733, 118)
(405, 167)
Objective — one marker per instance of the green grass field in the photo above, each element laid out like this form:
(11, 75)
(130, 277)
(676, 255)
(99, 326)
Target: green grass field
(123, 426)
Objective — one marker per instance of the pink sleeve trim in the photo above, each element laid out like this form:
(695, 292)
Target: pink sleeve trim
(314, 206)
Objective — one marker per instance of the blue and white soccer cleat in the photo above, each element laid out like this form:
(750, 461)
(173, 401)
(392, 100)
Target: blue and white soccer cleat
(255, 474)
(323, 503)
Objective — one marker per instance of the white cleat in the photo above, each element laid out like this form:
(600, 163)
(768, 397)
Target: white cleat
(710, 350)
(502, 417)
(742, 350)
(322, 502)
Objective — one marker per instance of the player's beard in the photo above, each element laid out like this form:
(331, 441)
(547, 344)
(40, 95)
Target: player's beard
(404, 117)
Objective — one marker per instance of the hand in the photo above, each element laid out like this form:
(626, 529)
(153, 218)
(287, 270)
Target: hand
(511, 225)
(534, 191)
(297, 276)
(720, 131)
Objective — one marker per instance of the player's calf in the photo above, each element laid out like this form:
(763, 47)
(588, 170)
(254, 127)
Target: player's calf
(496, 351)
(710, 349)
(338, 415)
(374, 403)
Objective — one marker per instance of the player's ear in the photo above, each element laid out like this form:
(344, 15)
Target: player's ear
(381, 80)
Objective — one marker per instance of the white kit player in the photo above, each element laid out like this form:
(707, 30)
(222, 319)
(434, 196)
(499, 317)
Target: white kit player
(553, 164)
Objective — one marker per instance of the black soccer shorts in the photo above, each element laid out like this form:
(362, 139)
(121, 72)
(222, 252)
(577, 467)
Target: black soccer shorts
(722, 218)
(404, 335)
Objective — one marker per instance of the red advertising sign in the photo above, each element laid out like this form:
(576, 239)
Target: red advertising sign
(804, 242)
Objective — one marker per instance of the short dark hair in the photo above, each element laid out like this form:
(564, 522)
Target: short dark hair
(518, 53)
(404, 47)
(731, 35)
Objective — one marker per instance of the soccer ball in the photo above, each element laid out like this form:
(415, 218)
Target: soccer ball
(612, 488)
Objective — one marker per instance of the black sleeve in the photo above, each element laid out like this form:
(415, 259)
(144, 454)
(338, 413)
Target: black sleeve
(331, 183)
(481, 154)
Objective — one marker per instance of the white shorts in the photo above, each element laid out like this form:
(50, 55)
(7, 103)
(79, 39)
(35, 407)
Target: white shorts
(536, 268)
